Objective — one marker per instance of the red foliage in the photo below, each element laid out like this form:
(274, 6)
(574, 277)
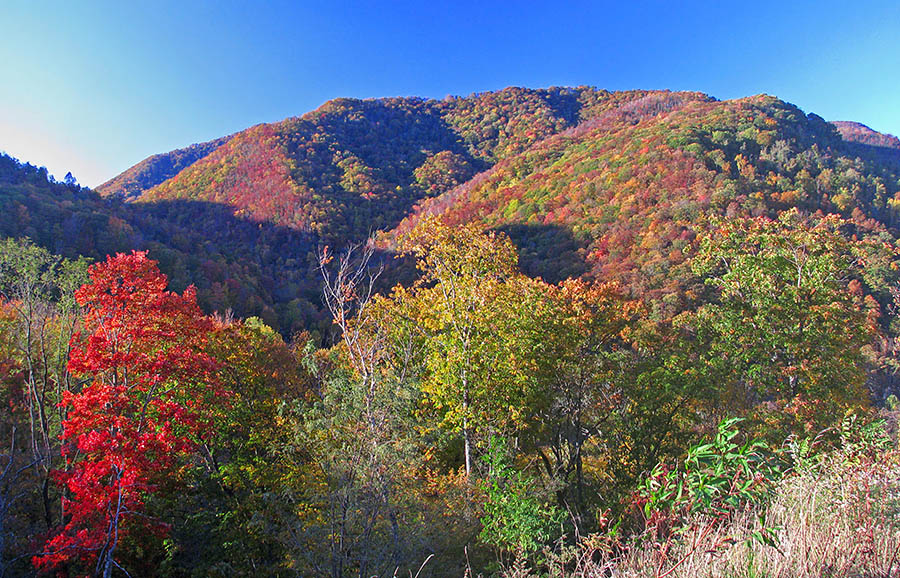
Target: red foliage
(149, 398)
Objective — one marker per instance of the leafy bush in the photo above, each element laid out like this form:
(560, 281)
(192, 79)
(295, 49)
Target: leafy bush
(515, 520)
(715, 482)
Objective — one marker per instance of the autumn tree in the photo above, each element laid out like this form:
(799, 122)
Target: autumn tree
(470, 311)
(148, 403)
(251, 454)
(38, 287)
(349, 288)
(667, 390)
(791, 317)
(582, 358)
(38, 315)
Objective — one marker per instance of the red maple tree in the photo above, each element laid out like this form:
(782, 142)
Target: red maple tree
(152, 393)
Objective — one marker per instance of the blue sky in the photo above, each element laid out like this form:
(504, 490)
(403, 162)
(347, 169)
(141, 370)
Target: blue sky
(94, 87)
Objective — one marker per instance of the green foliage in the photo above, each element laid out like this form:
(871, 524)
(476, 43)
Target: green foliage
(715, 479)
(443, 171)
(714, 483)
(515, 519)
(790, 320)
(863, 440)
(38, 317)
(32, 275)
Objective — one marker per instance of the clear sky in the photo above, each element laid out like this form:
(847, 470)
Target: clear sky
(93, 87)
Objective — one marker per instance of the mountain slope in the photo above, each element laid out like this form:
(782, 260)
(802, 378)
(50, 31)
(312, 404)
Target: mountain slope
(156, 169)
(354, 166)
(633, 191)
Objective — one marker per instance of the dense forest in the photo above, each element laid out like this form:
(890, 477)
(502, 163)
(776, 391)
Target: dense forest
(252, 268)
(560, 332)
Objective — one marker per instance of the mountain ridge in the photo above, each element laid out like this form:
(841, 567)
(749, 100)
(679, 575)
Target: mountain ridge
(612, 185)
(353, 165)
(157, 168)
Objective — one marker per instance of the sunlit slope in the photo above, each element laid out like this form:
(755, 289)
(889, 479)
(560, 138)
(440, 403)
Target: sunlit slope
(156, 169)
(632, 189)
(355, 166)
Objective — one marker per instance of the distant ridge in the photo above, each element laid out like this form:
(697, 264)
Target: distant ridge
(860, 133)
(157, 168)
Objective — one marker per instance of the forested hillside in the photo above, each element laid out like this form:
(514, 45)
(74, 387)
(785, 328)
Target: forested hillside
(584, 181)
(156, 169)
(640, 333)
(634, 195)
(241, 217)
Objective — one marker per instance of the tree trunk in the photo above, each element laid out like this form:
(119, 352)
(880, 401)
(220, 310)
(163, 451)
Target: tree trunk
(467, 447)
(467, 437)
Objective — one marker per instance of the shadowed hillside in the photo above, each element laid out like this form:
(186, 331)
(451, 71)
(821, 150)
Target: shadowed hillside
(236, 263)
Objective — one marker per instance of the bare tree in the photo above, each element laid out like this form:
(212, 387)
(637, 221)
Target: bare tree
(348, 288)
(364, 488)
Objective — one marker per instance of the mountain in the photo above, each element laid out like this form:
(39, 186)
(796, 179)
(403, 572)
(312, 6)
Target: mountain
(860, 133)
(355, 166)
(611, 185)
(157, 168)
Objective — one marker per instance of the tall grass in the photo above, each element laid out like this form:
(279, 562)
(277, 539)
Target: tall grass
(839, 517)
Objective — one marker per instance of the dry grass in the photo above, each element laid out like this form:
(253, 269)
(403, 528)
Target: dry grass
(838, 519)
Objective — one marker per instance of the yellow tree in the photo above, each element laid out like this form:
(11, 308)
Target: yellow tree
(471, 312)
